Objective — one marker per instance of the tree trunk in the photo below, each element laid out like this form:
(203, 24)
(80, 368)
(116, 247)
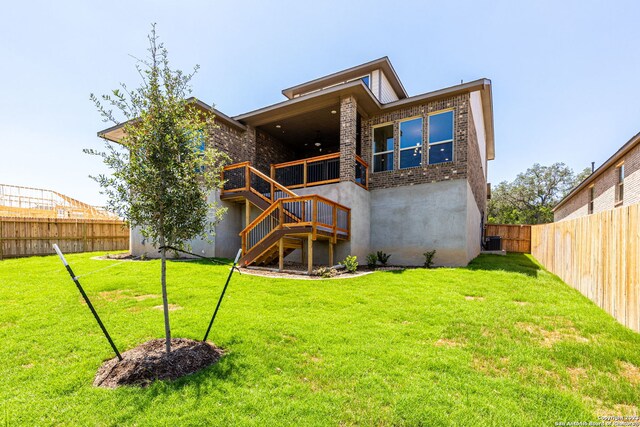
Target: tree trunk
(165, 301)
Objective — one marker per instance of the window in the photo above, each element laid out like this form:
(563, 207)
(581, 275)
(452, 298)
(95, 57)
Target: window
(411, 143)
(441, 137)
(383, 148)
(591, 197)
(365, 79)
(620, 185)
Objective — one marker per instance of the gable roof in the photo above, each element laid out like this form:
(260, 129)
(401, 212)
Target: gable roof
(606, 165)
(348, 74)
(115, 133)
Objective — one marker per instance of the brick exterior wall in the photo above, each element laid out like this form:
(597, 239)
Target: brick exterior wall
(348, 128)
(237, 144)
(270, 150)
(475, 174)
(605, 189)
(457, 169)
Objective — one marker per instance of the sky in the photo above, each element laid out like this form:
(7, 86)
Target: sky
(565, 74)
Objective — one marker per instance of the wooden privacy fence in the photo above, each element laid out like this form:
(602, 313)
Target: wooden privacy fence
(597, 255)
(21, 237)
(515, 238)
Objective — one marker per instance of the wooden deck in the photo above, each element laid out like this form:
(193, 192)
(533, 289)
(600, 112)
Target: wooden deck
(287, 219)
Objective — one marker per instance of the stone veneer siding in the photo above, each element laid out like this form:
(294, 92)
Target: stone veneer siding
(475, 174)
(348, 130)
(457, 169)
(605, 189)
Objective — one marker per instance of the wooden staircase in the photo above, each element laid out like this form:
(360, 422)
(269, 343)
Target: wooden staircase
(287, 219)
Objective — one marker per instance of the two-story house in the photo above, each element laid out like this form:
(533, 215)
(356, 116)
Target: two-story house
(615, 183)
(349, 163)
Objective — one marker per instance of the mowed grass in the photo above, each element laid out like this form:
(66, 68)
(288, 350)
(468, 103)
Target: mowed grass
(502, 342)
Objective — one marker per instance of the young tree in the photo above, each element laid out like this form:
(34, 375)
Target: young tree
(162, 170)
(530, 198)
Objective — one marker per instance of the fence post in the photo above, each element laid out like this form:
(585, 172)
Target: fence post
(1, 239)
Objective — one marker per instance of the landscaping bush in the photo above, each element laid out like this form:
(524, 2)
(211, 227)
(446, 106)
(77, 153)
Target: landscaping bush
(428, 258)
(372, 260)
(383, 258)
(325, 272)
(350, 263)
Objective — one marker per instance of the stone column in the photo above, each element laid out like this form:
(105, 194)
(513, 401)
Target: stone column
(348, 128)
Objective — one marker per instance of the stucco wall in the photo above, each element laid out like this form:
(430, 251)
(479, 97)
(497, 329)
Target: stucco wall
(352, 196)
(474, 226)
(408, 221)
(141, 246)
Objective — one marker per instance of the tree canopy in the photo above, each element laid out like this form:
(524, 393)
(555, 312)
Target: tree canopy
(530, 198)
(162, 170)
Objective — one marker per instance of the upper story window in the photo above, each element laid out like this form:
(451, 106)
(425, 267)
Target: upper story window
(411, 143)
(620, 184)
(383, 148)
(365, 79)
(591, 198)
(440, 139)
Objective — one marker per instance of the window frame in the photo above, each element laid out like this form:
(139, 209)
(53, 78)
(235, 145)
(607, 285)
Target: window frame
(591, 195)
(452, 140)
(400, 149)
(373, 146)
(619, 184)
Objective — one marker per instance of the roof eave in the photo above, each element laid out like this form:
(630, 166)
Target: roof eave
(318, 83)
(367, 102)
(114, 133)
(611, 161)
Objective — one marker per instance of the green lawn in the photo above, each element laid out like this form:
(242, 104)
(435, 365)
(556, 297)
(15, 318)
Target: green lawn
(501, 342)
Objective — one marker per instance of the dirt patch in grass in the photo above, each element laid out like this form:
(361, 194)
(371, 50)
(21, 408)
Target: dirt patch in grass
(473, 298)
(145, 297)
(116, 295)
(520, 303)
(172, 307)
(149, 362)
(601, 409)
(491, 366)
(120, 294)
(630, 371)
(576, 375)
(539, 375)
(548, 337)
(445, 342)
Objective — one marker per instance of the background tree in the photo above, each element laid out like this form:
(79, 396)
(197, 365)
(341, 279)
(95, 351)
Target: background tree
(162, 172)
(530, 198)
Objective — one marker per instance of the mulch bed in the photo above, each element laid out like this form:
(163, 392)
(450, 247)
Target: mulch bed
(149, 362)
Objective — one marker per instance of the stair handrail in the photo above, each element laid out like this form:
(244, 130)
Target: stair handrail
(279, 204)
(247, 185)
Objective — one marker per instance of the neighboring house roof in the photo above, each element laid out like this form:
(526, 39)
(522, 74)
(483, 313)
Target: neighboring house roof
(613, 160)
(115, 133)
(348, 74)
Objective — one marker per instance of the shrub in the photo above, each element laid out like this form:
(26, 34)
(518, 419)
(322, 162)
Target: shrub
(428, 258)
(383, 258)
(325, 272)
(350, 263)
(372, 260)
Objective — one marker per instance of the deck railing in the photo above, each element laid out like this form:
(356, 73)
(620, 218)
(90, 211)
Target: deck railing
(316, 171)
(312, 213)
(362, 173)
(244, 177)
(307, 172)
